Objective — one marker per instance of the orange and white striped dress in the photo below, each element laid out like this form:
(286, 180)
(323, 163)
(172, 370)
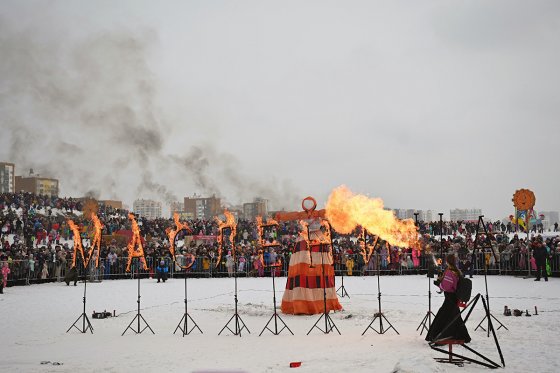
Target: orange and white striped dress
(304, 287)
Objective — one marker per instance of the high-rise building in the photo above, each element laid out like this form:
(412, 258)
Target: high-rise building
(550, 217)
(147, 208)
(465, 214)
(259, 207)
(202, 208)
(7, 177)
(37, 185)
(176, 207)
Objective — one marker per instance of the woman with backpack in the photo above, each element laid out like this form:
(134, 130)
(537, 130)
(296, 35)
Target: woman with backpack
(448, 323)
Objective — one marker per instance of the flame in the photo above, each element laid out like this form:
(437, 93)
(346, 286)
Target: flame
(77, 243)
(346, 211)
(135, 241)
(365, 249)
(270, 223)
(172, 233)
(96, 242)
(222, 225)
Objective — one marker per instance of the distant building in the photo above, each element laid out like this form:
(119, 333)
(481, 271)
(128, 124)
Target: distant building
(147, 208)
(423, 215)
(259, 207)
(465, 214)
(202, 208)
(7, 177)
(427, 215)
(550, 217)
(37, 185)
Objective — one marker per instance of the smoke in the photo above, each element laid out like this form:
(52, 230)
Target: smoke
(85, 110)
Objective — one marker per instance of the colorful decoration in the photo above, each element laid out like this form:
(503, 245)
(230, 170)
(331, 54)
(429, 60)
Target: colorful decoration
(524, 199)
(311, 264)
(136, 241)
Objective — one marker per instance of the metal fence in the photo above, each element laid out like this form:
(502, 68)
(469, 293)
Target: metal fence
(23, 272)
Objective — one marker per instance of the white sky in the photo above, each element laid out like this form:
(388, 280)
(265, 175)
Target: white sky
(428, 105)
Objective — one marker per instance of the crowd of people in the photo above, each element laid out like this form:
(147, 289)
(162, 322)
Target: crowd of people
(36, 245)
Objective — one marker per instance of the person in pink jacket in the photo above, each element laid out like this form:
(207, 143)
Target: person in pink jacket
(5, 272)
(448, 323)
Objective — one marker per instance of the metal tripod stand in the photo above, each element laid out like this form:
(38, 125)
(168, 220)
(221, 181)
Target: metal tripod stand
(379, 315)
(343, 293)
(184, 322)
(429, 314)
(239, 325)
(275, 315)
(83, 316)
(138, 316)
(329, 323)
(488, 316)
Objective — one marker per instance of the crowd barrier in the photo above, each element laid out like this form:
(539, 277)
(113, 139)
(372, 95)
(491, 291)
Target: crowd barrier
(22, 273)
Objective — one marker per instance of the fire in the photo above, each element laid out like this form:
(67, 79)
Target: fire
(346, 211)
(172, 233)
(96, 242)
(222, 225)
(134, 242)
(365, 249)
(77, 243)
(270, 223)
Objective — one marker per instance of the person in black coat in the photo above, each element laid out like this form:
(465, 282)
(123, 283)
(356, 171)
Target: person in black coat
(71, 275)
(448, 323)
(540, 254)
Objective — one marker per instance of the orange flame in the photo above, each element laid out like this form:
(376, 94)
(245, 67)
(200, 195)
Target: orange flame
(346, 211)
(96, 242)
(135, 241)
(365, 249)
(222, 225)
(270, 223)
(172, 233)
(77, 244)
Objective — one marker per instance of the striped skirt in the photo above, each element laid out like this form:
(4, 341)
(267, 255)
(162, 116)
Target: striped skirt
(304, 287)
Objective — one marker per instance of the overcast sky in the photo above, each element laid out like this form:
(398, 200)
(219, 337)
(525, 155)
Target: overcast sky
(428, 105)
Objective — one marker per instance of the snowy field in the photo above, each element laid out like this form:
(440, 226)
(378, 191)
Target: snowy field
(35, 319)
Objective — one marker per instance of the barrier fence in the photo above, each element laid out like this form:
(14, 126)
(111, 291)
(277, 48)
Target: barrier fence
(23, 272)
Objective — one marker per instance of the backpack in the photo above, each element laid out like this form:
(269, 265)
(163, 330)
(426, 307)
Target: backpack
(464, 289)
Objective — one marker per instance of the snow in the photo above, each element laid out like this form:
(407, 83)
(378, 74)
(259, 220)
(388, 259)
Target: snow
(35, 319)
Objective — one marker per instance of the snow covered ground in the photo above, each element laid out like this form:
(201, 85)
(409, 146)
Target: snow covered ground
(34, 321)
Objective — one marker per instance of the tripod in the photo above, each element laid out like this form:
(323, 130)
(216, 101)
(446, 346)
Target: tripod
(461, 358)
(342, 289)
(275, 315)
(183, 324)
(138, 316)
(488, 315)
(239, 325)
(379, 315)
(83, 316)
(429, 314)
(329, 323)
